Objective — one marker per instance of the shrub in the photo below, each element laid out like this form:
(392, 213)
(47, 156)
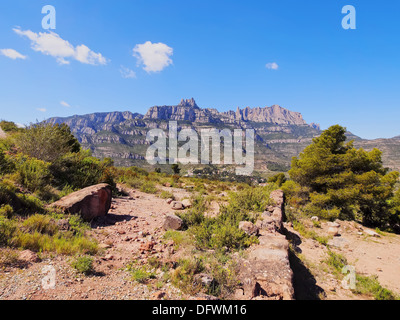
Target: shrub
(40, 223)
(80, 170)
(183, 276)
(7, 230)
(148, 187)
(167, 195)
(47, 142)
(140, 274)
(6, 166)
(278, 179)
(335, 176)
(6, 211)
(83, 265)
(33, 174)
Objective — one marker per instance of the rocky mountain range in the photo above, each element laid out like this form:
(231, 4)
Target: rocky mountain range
(280, 133)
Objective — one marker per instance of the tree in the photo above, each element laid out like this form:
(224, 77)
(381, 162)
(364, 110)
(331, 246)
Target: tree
(278, 179)
(47, 142)
(176, 169)
(333, 179)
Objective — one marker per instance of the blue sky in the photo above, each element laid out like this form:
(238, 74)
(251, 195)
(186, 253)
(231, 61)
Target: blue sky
(130, 55)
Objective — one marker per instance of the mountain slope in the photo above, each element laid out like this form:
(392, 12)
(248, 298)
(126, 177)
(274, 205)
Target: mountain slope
(280, 133)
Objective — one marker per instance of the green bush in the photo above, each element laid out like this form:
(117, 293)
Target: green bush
(7, 230)
(140, 274)
(79, 170)
(6, 211)
(183, 276)
(47, 142)
(6, 166)
(148, 187)
(33, 174)
(337, 178)
(40, 223)
(83, 265)
(278, 179)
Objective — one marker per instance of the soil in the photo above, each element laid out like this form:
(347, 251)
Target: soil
(370, 255)
(132, 232)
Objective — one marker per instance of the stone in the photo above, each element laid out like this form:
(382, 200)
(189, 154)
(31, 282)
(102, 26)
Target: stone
(172, 222)
(371, 233)
(204, 279)
(333, 231)
(177, 205)
(90, 203)
(249, 228)
(158, 295)
(277, 196)
(169, 201)
(63, 224)
(187, 203)
(148, 246)
(315, 218)
(29, 256)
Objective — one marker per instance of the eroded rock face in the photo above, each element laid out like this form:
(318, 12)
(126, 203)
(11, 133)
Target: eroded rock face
(90, 203)
(265, 272)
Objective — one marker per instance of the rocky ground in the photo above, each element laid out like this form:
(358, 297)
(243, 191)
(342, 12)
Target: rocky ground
(371, 254)
(132, 232)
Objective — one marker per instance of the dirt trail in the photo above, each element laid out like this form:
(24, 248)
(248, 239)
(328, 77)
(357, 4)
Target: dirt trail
(370, 255)
(2, 134)
(132, 231)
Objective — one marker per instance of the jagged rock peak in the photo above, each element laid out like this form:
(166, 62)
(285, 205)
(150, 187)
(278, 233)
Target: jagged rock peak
(188, 103)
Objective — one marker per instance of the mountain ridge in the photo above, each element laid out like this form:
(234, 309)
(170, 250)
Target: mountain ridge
(280, 134)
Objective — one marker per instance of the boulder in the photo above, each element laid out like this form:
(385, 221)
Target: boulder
(333, 231)
(90, 203)
(187, 203)
(177, 205)
(249, 228)
(28, 256)
(277, 196)
(371, 233)
(172, 222)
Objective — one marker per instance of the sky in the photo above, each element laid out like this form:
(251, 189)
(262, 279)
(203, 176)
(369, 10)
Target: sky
(123, 55)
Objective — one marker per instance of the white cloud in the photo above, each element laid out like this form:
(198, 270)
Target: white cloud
(154, 56)
(12, 54)
(272, 66)
(53, 45)
(41, 109)
(127, 73)
(65, 104)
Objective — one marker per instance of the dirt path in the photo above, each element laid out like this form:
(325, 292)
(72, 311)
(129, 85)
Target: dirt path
(131, 232)
(370, 255)
(2, 134)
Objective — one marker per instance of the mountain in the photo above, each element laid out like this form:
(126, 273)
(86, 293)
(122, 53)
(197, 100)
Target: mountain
(280, 133)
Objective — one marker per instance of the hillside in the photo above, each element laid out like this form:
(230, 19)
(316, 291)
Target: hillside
(280, 133)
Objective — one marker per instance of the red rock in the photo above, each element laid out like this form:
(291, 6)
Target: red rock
(90, 203)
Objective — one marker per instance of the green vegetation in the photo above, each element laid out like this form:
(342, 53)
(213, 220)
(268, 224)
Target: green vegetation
(83, 265)
(140, 274)
(39, 165)
(331, 179)
(365, 285)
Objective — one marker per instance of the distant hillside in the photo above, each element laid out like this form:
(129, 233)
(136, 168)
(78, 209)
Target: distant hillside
(280, 133)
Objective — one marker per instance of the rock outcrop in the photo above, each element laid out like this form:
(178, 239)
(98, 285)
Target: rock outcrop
(90, 203)
(188, 110)
(265, 272)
